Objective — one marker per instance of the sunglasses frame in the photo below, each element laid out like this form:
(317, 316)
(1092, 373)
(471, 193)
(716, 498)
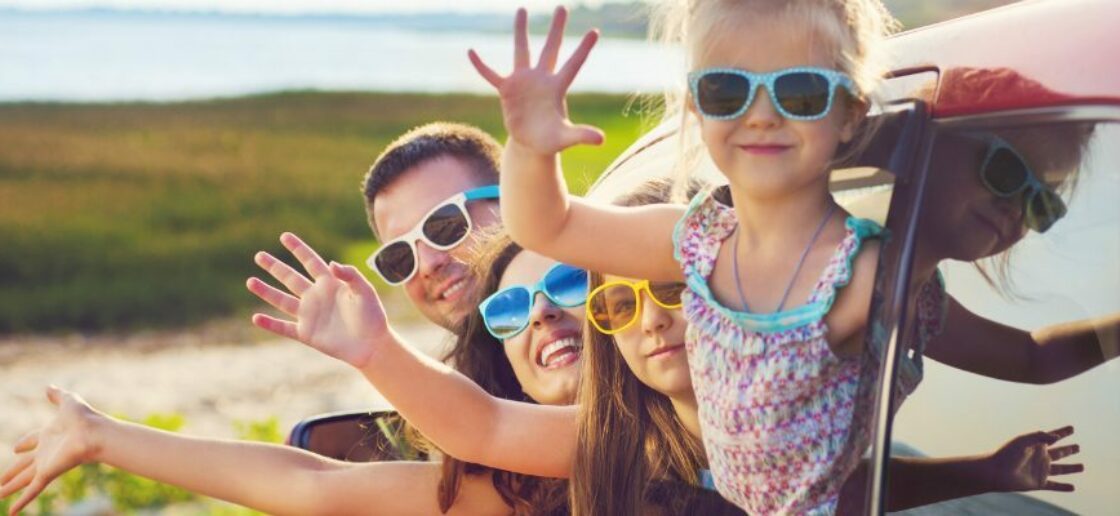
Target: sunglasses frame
(636, 287)
(757, 80)
(416, 234)
(538, 288)
(1032, 186)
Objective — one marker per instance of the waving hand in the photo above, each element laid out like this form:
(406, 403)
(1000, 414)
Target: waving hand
(336, 311)
(533, 97)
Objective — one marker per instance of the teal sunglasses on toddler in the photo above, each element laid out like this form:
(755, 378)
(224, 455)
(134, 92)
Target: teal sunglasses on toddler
(506, 312)
(803, 93)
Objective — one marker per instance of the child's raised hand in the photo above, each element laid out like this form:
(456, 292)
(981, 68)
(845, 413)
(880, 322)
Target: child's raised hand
(45, 454)
(1027, 462)
(533, 98)
(336, 311)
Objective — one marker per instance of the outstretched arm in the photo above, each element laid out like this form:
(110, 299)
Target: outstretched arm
(1047, 355)
(536, 207)
(267, 477)
(1024, 463)
(340, 315)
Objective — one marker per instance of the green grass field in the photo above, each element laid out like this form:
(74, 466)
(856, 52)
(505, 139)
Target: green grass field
(118, 216)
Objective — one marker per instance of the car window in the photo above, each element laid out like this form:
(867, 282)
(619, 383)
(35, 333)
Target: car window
(1023, 222)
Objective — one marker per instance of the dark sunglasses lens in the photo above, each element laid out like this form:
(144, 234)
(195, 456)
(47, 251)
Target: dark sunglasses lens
(721, 93)
(668, 294)
(1044, 208)
(507, 313)
(1005, 172)
(446, 226)
(395, 262)
(802, 93)
(614, 307)
(566, 286)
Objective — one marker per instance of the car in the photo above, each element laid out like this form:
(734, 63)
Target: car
(1035, 78)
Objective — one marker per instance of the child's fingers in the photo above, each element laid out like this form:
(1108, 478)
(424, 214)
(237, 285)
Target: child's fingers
(294, 281)
(551, 50)
(311, 260)
(282, 328)
(279, 300)
(582, 134)
(521, 39)
(1058, 486)
(1062, 452)
(485, 71)
(571, 68)
(1066, 469)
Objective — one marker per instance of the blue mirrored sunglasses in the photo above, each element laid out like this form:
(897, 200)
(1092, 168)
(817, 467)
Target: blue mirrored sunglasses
(506, 312)
(803, 93)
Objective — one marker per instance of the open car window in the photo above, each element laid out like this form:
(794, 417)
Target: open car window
(1021, 216)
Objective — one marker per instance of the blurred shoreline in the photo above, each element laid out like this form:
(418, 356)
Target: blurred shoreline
(213, 376)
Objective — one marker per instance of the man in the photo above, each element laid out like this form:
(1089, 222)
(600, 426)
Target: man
(425, 169)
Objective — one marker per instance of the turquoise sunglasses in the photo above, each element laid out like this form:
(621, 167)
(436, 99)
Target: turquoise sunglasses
(506, 312)
(1006, 173)
(803, 93)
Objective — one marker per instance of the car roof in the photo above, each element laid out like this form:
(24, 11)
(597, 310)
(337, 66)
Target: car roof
(1066, 49)
(1015, 57)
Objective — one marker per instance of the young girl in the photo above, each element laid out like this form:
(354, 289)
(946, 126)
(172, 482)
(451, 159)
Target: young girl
(779, 278)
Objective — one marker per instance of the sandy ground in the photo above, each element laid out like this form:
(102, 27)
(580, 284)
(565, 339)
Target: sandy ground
(213, 376)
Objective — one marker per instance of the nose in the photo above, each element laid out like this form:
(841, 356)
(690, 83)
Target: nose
(654, 318)
(762, 113)
(543, 312)
(430, 261)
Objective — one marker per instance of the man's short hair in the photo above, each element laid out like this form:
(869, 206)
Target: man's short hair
(476, 148)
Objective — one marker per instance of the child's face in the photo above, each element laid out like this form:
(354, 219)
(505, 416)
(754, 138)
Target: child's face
(653, 348)
(762, 152)
(546, 356)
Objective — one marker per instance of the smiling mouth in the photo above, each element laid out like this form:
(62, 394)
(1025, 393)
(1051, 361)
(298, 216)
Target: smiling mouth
(560, 353)
(453, 290)
(765, 149)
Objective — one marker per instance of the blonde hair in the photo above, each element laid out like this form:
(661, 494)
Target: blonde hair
(854, 30)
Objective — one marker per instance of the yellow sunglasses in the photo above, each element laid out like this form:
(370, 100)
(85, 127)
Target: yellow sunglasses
(615, 306)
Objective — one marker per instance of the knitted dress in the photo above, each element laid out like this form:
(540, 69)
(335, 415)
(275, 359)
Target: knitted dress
(775, 403)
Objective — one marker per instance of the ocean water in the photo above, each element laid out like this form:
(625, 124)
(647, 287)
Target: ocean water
(107, 56)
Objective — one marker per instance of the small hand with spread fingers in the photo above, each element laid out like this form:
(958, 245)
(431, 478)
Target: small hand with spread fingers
(336, 310)
(45, 454)
(1027, 462)
(534, 102)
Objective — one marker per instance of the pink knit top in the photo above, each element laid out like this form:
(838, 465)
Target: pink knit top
(775, 404)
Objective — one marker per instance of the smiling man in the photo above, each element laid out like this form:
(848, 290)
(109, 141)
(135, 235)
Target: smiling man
(426, 194)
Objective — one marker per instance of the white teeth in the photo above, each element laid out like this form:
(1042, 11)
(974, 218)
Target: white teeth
(455, 287)
(555, 349)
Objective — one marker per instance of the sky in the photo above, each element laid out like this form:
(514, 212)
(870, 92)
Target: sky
(303, 6)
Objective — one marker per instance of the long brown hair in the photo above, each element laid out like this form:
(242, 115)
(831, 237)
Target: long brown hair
(633, 453)
(480, 357)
